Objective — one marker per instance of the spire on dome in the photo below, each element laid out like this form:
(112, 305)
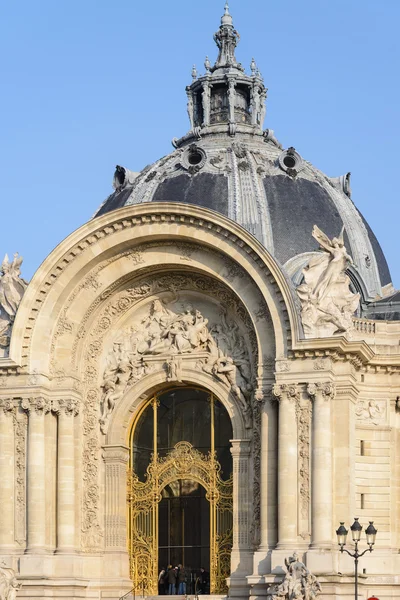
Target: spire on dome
(225, 96)
(227, 39)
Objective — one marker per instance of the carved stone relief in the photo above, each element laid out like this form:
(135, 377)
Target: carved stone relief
(163, 331)
(20, 419)
(174, 369)
(176, 291)
(327, 304)
(371, 412)
(9, 585)
(304, 422)
(256, 448)
(92, 533)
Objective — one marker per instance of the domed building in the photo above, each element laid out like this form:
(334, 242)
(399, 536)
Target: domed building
(204, 376)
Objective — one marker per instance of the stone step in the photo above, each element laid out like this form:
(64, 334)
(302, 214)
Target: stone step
(175, 597)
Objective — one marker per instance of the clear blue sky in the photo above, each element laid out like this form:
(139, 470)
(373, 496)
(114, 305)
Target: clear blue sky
(88, 84)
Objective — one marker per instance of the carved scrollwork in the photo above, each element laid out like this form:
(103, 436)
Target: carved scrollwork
(92, 533)
(183, 462)
(20, 420)
(7, 405)
(39, 405)
(303, 425)
(69, 406)
(289, 391)
(325, 389)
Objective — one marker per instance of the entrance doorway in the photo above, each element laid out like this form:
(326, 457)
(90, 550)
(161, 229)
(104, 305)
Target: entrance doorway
(184, 529)
(180, 489)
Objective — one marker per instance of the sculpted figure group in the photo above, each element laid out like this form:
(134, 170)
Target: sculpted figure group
(12, 288)
(298, 584)
(165, 332)
(327, 304)
(8, 583)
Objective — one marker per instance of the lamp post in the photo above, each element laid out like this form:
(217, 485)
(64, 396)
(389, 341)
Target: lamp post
(356, 530)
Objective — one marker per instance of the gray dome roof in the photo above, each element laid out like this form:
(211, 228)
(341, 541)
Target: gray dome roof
(229, 164)
(245, 180)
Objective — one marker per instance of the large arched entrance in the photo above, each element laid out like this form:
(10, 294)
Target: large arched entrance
(180, 489)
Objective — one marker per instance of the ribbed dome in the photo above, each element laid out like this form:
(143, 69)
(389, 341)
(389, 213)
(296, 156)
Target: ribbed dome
(229, 164)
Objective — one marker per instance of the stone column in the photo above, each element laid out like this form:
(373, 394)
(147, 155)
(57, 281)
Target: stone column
(268, 500)
(36, 475)
(66, 409)
(288, 396)
(7, 538)
(321, 465)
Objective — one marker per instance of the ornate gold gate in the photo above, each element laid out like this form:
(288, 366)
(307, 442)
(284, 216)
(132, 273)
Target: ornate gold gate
(183, 462)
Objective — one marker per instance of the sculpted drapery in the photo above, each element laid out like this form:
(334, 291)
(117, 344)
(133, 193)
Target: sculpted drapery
(327, 304)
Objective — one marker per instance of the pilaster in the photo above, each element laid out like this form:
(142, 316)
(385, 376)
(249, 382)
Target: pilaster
(66, 410)
(321, 465)
(241, 557)
(116, 460)
(36, 474)
(268, 483)
(288, 396)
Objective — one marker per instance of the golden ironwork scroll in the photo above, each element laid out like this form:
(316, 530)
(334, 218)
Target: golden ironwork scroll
(183, 462)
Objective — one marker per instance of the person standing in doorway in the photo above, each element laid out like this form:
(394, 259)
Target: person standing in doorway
(171, 581)
(181, 580)
(161, 582)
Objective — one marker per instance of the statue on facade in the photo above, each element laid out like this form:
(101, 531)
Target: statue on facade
(8, 583)
(327, 304)
(176, 334)
(12, 288)
(298, 584)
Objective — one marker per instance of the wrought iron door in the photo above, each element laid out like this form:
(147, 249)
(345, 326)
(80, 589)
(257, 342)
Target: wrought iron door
(182, 462)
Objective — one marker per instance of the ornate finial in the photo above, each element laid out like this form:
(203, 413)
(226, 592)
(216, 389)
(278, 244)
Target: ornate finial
(226, 39)
(207, 64)
(253, 67)
(194, 72)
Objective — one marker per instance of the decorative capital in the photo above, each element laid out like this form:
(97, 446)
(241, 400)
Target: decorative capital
(264, 395)
(39, 405)
(325, 389)
(68, 406)
(8, 406)
(288, 391)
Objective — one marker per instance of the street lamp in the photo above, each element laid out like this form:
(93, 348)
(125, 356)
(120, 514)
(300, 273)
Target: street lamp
(356, 530)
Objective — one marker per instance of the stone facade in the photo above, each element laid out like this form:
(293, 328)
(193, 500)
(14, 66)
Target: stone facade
(156, 294)
(320, 447)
